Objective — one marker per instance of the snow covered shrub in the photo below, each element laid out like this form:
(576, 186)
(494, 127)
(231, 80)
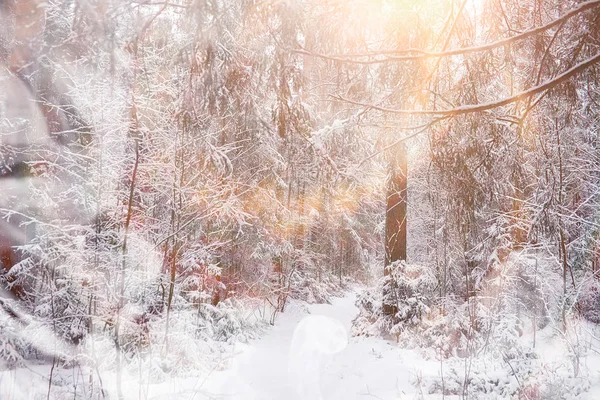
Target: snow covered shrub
(450, 326)
(448, 330)
(497, 377)
(12, 344)
(370, 320)
(411, 286)
(476, 379)
(66, 300)
(305, 285)
(199, 335)
(513, 296)
(306, 274)
(588, 301)
(226, 322)
(407, 289)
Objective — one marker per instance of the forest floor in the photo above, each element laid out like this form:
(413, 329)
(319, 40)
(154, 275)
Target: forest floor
(260, 370)
(366, 368)
(269, 369)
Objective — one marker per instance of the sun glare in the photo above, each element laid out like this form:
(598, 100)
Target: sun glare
(389, 14)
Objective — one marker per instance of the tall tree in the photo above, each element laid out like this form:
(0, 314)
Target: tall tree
(395, 216)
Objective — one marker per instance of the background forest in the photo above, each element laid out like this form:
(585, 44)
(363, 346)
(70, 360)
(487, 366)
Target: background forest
(174, 173)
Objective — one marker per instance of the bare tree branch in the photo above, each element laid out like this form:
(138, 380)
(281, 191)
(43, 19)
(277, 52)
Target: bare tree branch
(473, 108)
(419, 54)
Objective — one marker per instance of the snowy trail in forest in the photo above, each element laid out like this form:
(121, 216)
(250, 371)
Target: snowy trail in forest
(265, 369)
(365, 368)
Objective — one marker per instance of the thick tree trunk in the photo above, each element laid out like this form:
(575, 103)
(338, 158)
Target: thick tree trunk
(395, 215)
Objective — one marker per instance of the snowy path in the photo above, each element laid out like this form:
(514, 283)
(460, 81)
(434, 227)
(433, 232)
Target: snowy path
(366, 368)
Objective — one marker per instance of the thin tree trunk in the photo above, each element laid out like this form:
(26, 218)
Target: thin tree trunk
(123, 268)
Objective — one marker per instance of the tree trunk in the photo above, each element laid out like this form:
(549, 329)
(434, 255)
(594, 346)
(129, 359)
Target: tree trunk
(124, 268)
(395, 215)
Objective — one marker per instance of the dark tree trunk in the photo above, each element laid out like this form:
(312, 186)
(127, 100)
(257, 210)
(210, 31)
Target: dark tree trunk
(395, 215)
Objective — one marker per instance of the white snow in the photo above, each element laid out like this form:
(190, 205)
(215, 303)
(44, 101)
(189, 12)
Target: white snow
(270, 368)
(307, 355)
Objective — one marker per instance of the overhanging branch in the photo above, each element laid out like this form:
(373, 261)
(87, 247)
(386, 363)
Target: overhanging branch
(418, 54)
(473, 108)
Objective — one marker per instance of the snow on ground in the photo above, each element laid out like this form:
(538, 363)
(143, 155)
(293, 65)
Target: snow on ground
(303, 357)
(267, 369)
(365, 368)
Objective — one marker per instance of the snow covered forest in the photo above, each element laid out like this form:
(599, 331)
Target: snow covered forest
(299, 199)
